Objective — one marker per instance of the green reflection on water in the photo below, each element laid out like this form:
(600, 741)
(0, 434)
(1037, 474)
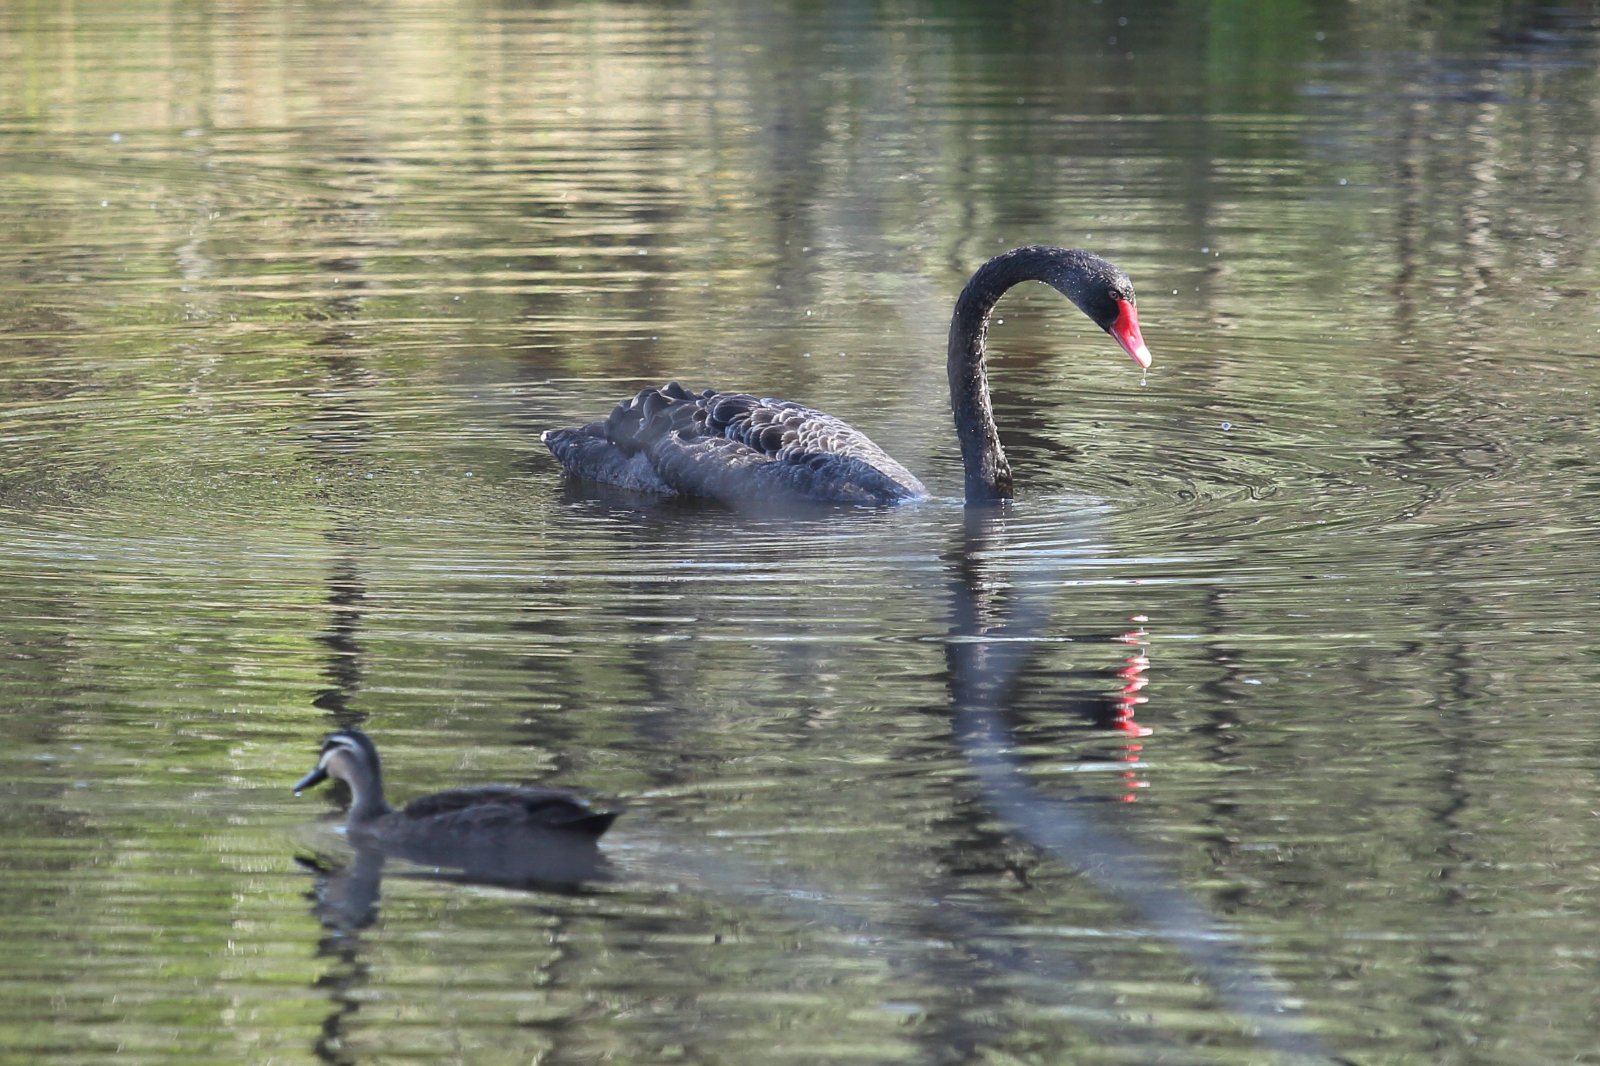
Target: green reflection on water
(290, 290)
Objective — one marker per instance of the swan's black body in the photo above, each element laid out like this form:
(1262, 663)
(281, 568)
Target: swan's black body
(735, 447)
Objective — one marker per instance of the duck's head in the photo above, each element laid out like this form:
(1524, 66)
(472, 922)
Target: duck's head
(348, 755)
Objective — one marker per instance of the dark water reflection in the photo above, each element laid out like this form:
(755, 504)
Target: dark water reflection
(1304, 626)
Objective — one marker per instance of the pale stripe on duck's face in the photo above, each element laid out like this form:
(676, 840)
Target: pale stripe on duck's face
(341, 742)
(335, 745)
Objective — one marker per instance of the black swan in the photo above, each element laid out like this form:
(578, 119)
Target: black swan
(734, 447)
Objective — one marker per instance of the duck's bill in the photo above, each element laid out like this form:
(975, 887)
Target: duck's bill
(315, 777)
(1126, 331)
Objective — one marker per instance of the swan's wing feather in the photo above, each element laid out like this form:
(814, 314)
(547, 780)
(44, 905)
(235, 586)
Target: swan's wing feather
(698, 461)
(831, 478)
(732, 446)
(586, 452)
(807, 439)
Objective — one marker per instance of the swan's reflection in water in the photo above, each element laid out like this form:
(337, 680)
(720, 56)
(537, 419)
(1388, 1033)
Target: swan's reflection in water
(996, 623)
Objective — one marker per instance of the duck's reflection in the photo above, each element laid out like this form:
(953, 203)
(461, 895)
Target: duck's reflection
(344, 896)
(346, 890)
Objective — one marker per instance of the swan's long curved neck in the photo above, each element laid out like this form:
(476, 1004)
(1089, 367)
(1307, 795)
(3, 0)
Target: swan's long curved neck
(1095, 287)
(988, 474)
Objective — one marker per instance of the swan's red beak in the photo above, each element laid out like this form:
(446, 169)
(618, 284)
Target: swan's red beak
(1126, 330)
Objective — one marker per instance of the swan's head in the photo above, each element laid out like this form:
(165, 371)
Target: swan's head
(1124, 328)
(1103, 292)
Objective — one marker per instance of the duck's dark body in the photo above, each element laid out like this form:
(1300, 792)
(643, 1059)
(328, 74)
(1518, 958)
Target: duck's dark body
(466, 827)
(498, 808)
(735, 447)
(495, 833)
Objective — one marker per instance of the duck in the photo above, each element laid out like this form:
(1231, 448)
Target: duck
(740, 449)
(462, 827)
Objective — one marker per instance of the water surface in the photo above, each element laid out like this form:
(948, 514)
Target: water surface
(1305, 621)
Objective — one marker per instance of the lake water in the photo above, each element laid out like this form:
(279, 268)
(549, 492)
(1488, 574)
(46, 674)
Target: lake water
(1259, 729)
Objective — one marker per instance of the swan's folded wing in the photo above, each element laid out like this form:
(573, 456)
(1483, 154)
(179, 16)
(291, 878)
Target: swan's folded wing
(587, 453)
(818, 449)
(733, 447)
(732, 471)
